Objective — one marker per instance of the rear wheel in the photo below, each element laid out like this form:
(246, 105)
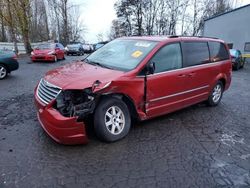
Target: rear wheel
(237, 66)
(216, 94)
(3, 72)
(243, 63)
(112, 120)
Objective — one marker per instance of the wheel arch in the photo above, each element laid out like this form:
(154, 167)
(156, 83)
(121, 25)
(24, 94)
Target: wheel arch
(126, 99)
(6, 66)
(223, 80)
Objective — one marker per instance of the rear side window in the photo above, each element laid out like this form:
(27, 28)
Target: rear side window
(195, 53)
(168, 58)
(230, 45)
(218, 51)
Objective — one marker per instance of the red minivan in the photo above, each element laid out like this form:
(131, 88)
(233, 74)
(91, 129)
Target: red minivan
(48, 52)
(132, 77)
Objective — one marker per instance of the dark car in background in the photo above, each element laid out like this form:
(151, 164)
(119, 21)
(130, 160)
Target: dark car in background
(237, 59)
(8, 63)
(99, 45)
(88, 48)
(74, 48)
(48, 52)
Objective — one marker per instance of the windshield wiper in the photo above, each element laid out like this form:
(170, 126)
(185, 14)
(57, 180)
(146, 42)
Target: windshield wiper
(97, 64)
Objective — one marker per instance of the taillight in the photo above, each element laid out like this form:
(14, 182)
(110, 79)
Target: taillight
(14, 57)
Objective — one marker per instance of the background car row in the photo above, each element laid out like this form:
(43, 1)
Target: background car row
(54, 51)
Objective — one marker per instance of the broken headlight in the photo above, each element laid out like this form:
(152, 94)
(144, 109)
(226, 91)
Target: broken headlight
(75, 103)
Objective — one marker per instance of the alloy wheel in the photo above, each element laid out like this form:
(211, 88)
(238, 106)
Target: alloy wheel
(217, 92)
(114, 120)
(3, 72)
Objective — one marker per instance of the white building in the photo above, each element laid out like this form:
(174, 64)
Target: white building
(233, 27)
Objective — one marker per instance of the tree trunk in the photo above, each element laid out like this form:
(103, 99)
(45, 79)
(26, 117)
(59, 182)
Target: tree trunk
(11, 27)
(3, 34)
(27, 44)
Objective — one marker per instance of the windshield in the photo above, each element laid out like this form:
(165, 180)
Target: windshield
(122, 54)
(99, 46)
(45, 46)
(73, 45)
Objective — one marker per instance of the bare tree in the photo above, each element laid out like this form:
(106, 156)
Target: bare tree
(167, 17)
(9, 20)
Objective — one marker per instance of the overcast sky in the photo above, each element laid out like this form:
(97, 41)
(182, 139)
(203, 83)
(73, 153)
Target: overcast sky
(97, 16)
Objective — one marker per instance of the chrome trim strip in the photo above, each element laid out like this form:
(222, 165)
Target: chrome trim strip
(44, 95)
(50, 85)
(51, 95)
(186, 99)
(184, 68)
(180, 93)
(45, 90)
(51, 88)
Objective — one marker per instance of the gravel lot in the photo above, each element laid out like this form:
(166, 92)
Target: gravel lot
(198, 146)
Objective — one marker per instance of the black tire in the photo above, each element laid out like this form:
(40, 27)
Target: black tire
(237, 67)
(243, 63)
(63, 57)
(213, 99)
(106, 120)
(3, 72)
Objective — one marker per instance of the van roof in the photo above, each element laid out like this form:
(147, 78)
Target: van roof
(168, 37)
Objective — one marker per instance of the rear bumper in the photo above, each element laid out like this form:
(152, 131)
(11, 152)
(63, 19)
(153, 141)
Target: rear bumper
(42, 57)
(73, 52)
(62, 129)
(13, 66)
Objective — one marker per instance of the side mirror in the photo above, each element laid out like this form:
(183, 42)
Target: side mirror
(150, 68)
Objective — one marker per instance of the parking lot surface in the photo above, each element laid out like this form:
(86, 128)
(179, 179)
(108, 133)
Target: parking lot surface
(198, 146)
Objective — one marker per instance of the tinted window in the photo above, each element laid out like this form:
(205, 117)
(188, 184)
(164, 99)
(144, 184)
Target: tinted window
(247, 47)
(59, 45)
(195, 53)
(168, 58)
(218, 51)
(230, 45)
(45, 46)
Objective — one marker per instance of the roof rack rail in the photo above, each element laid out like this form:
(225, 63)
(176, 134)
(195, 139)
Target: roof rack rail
(176, 36)
(173, 36)
(207, 37)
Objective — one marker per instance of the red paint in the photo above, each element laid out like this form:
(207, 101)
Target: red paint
(47, 54)
(61, 129)
(81, 75)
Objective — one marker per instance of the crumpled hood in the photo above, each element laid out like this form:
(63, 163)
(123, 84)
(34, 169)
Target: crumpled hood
(80, 75)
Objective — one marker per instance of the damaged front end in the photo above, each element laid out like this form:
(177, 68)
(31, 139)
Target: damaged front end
(76, 103)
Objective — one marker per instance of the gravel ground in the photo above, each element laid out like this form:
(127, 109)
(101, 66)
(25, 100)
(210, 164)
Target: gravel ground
(198, 146)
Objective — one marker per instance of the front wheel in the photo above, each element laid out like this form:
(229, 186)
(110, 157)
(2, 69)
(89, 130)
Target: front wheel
(112, 120)
(216, 94)
(3, 72)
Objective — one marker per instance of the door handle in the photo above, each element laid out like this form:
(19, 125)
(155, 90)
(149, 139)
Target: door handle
(182, 75)
(191, 74)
